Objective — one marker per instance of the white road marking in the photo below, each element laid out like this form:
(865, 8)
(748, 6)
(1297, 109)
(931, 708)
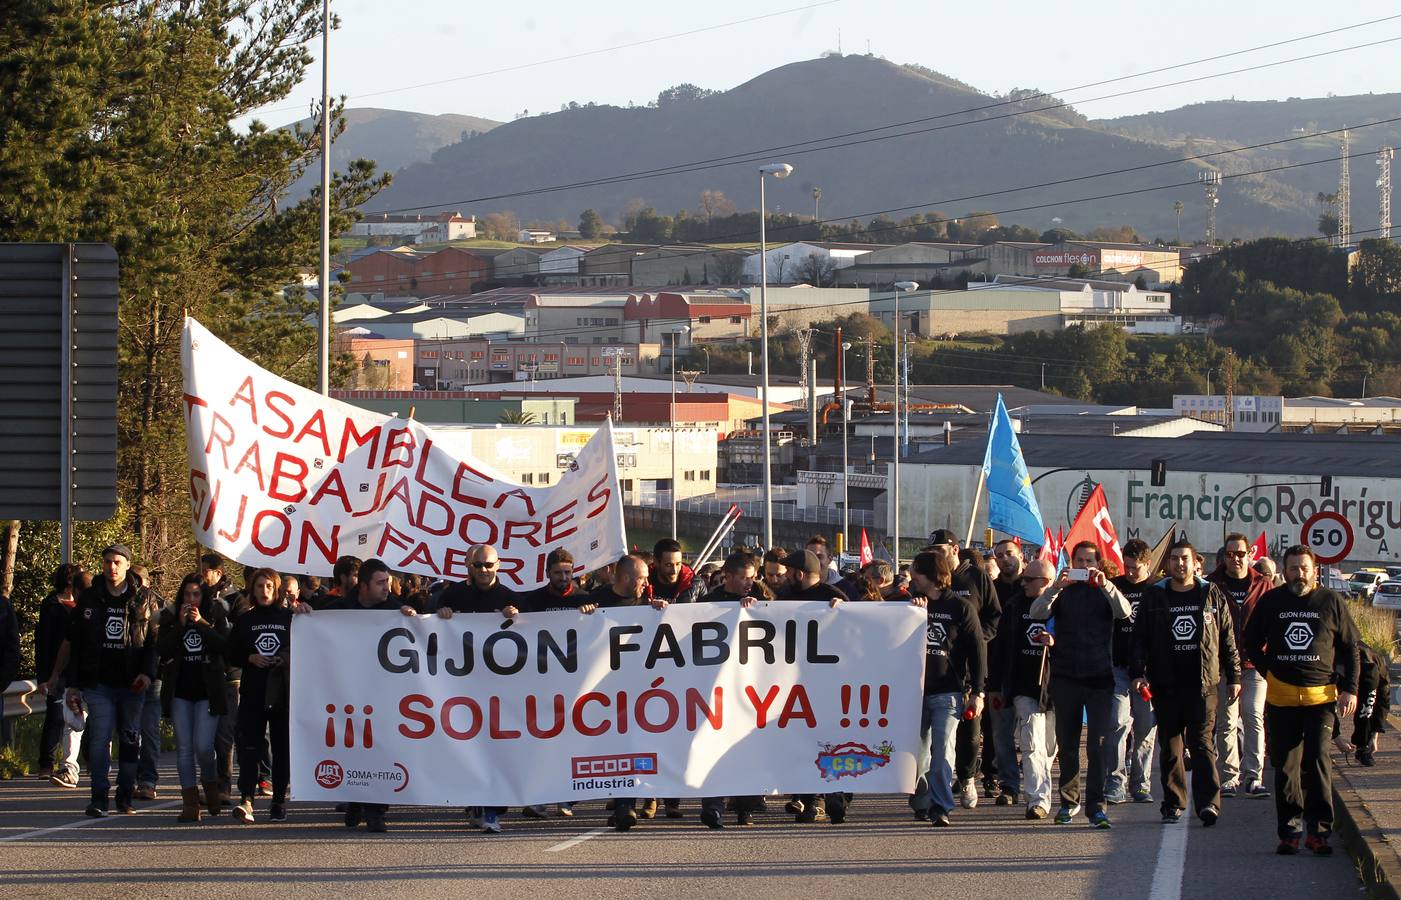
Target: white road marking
(1172, 861)
(576, 841)
(83, 823)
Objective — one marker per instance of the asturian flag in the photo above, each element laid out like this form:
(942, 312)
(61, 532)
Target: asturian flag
(1012, 507)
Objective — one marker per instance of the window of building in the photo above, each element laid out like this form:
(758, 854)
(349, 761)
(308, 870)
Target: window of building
(544, 478)
(552, 357)
(597, 339)
(690, 475)
(528, 478)
(704, 320)
(734, 320)
(612, 320)
(705, 474)
(478, 355)
(576, 360)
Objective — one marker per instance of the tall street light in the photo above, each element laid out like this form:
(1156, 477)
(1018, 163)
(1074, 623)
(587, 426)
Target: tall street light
(846, 463)
(777, 170)
(675, 333)
(900, 288)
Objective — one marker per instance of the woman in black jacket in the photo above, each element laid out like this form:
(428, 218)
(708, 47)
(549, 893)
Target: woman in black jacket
(191, 642)
(260, 644)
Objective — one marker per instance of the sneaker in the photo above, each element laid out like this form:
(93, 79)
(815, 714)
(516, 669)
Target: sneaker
(124, 808)
(836, 811)
(1099, 819)
(566, 810)
(1318, 845)
(794, 806)
(277, 812)
(1258, 791)
(710, 818)
(623, 819)
(1007, 798)
(64, 779)
(968, 794)
(95, 812)
(264, 788)
(991, 789)
(673, 810)
(744, 819)
(939, 819)
(1171, 816)
(1142, 795)
(1116, 796)
(533, 812)
(1036, 813)
(811, 814)
(244, 811)
(1228, 791)
(1365, 757)
(145, 792)
(474, 816)
(1209, 816)
(1288, 846)
(1066, 813)
(491, 823)
(648, 810)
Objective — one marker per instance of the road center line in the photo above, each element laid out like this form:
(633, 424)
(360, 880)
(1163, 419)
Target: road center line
(576, 841)
(1172, 862)
(83, 823)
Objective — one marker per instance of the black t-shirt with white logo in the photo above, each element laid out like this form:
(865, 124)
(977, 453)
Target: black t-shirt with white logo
(114, 666)
(190, 684)
(1186, 617)
(1134, 592)
(955, 655)
(266, 631)
(1302, 640)
(1022, 677)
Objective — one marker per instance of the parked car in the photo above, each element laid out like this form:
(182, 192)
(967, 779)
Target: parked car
(1335, 582)
(1393, 573)
(1388, 595)
(1364, 584)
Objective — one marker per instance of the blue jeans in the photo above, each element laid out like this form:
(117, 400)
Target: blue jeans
(1004, 742)
(150, 736)
(1133, 722)
(113, 709)
(938, 732)
(194, 740)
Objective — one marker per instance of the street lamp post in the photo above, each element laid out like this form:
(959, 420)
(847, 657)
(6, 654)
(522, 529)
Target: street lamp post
(674, 332)
(777, 170)
(900, 288)
(846, 463)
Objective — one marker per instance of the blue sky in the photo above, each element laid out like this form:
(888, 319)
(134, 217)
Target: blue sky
(994, 45)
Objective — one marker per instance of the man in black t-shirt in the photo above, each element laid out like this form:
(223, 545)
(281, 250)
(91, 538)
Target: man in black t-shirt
(1134, 722)
(1184, 647)
(111, 658)
(1018, 677)
(1003, 718)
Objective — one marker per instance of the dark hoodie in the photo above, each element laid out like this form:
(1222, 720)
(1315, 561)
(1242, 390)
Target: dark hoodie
(112, 639)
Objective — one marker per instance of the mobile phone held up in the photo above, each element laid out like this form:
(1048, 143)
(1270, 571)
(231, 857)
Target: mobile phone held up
(1077, 574)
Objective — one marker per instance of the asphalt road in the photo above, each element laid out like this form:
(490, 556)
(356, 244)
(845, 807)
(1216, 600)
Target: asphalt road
(47, 849)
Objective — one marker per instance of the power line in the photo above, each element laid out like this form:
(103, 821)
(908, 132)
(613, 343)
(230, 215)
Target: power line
(742, 158)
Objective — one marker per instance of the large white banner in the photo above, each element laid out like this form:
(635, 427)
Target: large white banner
(698, 700)
(281, 476)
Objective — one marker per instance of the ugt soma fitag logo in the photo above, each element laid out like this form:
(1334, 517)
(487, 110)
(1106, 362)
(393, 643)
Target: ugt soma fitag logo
(591, 773)
(356, 729)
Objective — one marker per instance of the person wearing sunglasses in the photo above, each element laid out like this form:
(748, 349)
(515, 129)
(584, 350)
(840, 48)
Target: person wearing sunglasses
(482, 592)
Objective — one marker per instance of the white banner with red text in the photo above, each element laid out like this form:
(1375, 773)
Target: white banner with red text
(697, 700)
(283, 477)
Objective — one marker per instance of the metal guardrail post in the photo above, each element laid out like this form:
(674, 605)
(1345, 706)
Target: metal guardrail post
(18, 695)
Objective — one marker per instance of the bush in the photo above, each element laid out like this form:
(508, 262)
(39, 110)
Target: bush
(1378, 627)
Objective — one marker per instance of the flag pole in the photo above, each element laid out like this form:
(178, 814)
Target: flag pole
(977, 499)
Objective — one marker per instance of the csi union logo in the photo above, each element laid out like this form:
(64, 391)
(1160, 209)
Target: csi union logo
(1299, 635)
(268, 643)
(1184, 628)
(194, 642)
(114, 628)
(937, 633)
(329, 774)
(1034, 631)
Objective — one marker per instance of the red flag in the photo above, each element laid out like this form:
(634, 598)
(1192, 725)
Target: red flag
(1093, 525)
(1260, 550)
(866, 554)
(1049, 548)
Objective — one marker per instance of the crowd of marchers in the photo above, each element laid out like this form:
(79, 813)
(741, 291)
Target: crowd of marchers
(1024, 665)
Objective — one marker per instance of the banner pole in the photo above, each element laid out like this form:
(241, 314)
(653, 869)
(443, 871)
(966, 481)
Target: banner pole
(977, 499)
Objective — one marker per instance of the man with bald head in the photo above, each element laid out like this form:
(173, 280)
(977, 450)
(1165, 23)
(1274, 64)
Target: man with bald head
(1019, 679)
(482, 592)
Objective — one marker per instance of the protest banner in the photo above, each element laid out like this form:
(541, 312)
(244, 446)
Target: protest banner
(701, 699)
(283, 477)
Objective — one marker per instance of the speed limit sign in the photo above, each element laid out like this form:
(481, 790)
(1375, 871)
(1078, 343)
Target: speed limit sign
(1330, 536)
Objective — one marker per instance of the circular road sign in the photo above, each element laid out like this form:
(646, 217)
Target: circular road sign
(1330, 536)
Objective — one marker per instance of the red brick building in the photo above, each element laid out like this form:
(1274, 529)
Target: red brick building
(451, 270)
